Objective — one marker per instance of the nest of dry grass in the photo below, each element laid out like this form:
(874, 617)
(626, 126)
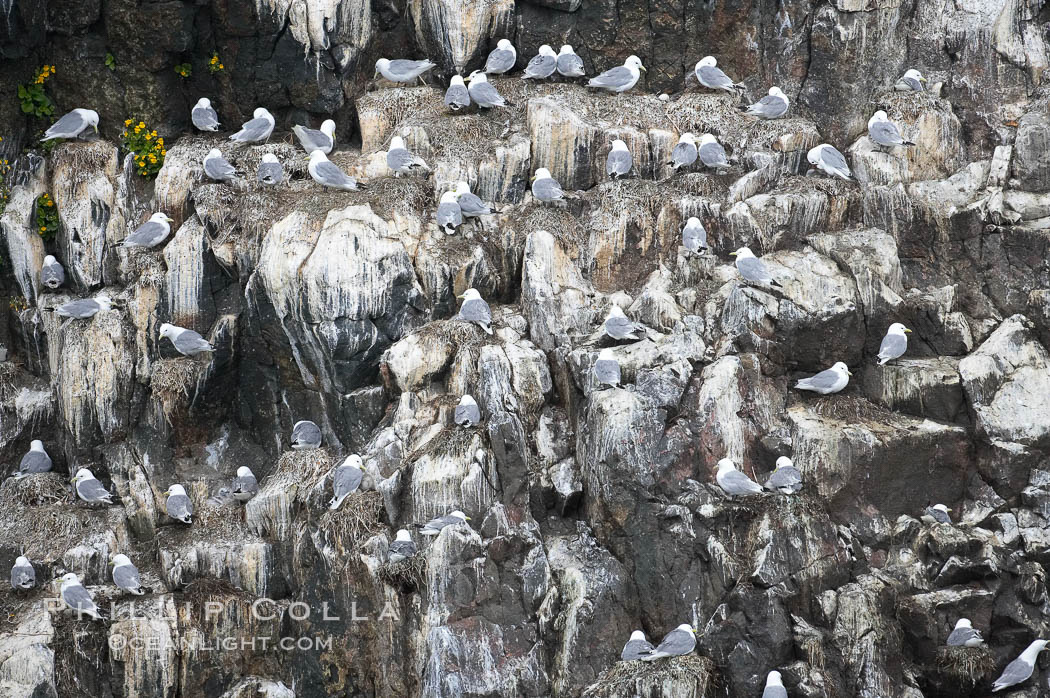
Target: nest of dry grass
(407, 195)
(174, 381)
(641, 678)
(849, 408)
(358, 518)
(39, 489)
(965, 664)
(407, 576)
(145, 266)
(301, 469)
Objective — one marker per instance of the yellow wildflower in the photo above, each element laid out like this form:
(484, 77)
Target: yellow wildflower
(221, 66)
(127, 122)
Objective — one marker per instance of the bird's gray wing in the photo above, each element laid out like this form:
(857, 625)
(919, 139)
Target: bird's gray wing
(35, 462)
(1015, 672)
(547, 189)
(476, 310)
(570, 65)
(620, 328)
(885, 133)
(694, 237)
(440, 522)
(775, 692)
(270, 173)
(500, 61)
(833, 159)
(472, 205)
(485, 94)
(127, 577)
(205, 118)
(753, 269)
(52, 275)
(189, 342)
(245, 485)
(467, 413)
(68, 126)
(684, 154)
(677, 642)
(713, 77)
(80, 308)
(346, 480)
(219, 168)
(635, 649)
(713, 155)
(179, 506)
(78, 598)
(92, 491)
(938, 515)
(400, 159)
(619, 162)
(312, 139)
(146, 235)
(909, 84)
(449, 214)
(404, 548)
(541, 66)
(331, 175)
(406, 69)
(787, 477)
(825, 380)
(457, 96)
(735, 482)
(893, 346)
(607, 372)
(306, 432)
(769, 106)
(960, 636)
(253, 130)
(619, 76)
(23, 575)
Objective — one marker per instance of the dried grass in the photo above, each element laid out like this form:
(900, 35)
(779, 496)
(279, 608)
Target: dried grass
(406, 195)
(174, 381)
(965, 664)
(303, 469)
(40, 489)
(358, 518)
(849, 408)
(407, 576)
(638, 678)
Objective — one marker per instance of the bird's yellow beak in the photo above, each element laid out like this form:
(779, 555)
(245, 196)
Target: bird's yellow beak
(732, 254)
(468, 518)
(692, 630)
(170, 220)
(923, 80)
(642, 68)
(949, 508)
(906, 329)
(461, 296)
(96, 129)
(848, 372)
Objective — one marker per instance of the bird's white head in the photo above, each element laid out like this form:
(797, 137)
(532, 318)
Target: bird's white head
(615, 311)
(467, 400)
(634, 62)
(687, 138)
(706, 62)
(546, 50)
(880, 115)
(813, 156)
(121, 559)
(176, 489)
(606, 354)
(941, 508)
(168, 330)
(83, 474)
(707, 138)
(841, 368)
(244, 471)
(104, 302)
(382, 64)
(36, 445)
(70, 578)
(565, 50)
(478, 76)
(963, 623)
(1033, 650)
(542, 173)
(397, 142)
(505, 45)
(404, 535)
(90, 116)
(203, 102)
(457, 80)
(784, 462)
(898, 328)
(693, 222)
(686, 628)
(913, 74)
(160, 217)
(776, 92)
(462, 188)
(262, 113)
(269, 157)
(213, 153)
(773, 679)
(449, 197)
(471, 294)
(743, 253)
(620, 145)
(726, 464)
(317, 156)
(460, 515)
(637, 635)
(354, 461)
(21, 561)
(328, 128)
(50, 259)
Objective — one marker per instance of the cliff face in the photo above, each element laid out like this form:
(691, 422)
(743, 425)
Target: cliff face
(593, 512)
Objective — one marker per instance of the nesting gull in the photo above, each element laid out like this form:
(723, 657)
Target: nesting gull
(257, 129)
(773, 106)
(305, 435)
(401, 548)
(476, 310)
(964, 635)
(151, 233)
(502, 58)
(618, 327)
(774, 686)
(126, 575)
(785, 478)
(77, 598)
(545, 188)
(327, 174)
(619, 161)
(894, 344)
(620, 78)
(434, 526)
(35, 460)
(449, 213)
(542, 65)
(694, 236)
(712, 154)
(938, 513)
(636, 648)
(401, 160)
(685, 152)
(403, 70)
(346, 479)
(203, 116)
(826, 382)
(470, 204)
(830, 161)
(84, 308)
(712, 77)
(322, 139)
(457, 96)
(752, 268)
(482, 91)
(89, 489)
(606, 369)
(733, 482)
(23, 576)
(911, 81)
(270, 170)
(244, 485)
(467, 413)
(186, 342)
(678, 642)
(1020, 669)
(178, 505)
(72, 124)
(217, 167)
(569, 64)
(884, 132)
(52, 274)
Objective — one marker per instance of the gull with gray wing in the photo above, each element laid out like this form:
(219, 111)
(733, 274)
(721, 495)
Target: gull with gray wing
(542, 65)
(685, 152)
(35, 460)
(89, 489)
(570, 65)
(621, 78)
(712, 154)
(694, 236)
(637, 647)
(401, 160)
(217, 167)
(203, 116)
(712, 77)
(963, 635)
(322, 139)
(830, 161)
(545, 188)
(435, 525)
(606, 369)
(482, 91)
(346, 479)
(401, 548)
(457, 96)
(186, 342)
(774, 686)
(752, 268)
(84, 308)
(467, 412)
(476, 310)
(245, 485)
(678, 642)
(52, 275)
(619, 160)
(305, 435)
(151, 233)
(178, 505)
(23, 576)
(1020, 669)
(126, 575)
(618, 327)
(502, 58)
(270, 170)
(884, 132)
(76, 598)
(773, 106)
(785, 478)
(733, 482)
(72, 125)
(327, 174)
(257, 129)
(403, 70)
(826, 382)
(894, 344)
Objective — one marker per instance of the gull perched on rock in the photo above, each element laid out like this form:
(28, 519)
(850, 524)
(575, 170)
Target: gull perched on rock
(752, 268)
(964, 635)
(542, 65)
(178, 505)
(636, 648)
(619, 161)
(1020, 669)
(476, 310)
(203, 116)
(217, 167)
(401, 548)
(257, 129)
(467, 413)
(606, 369)
(884, 132)
(322, 139)
(89, 489)
(77, 598)
(685, 152)
(52, 274)
(327, 174)
(244, 486)
(569, 64)
(449, 213)
(938, 513)
(186, 342)
(35, 460)
(774, 686)
(482, 91)
(545, 188)
(712, 77)
(346, 479)
(712, 154)
(84, 308)
(694, 236)
(911, 81)
(270, 170)
(151, 233)
(785, 478)
(401, 161)
(305, 435)
(126, 575)
(621, 78)
(830, 161)
(502, 58)
(733, 482)
(894, 344)
(23, 576)
(457, 96)
(826, 382)
(471, 204)
(773, 106)
(618, 327)
(403, 70)
(434, 526)
(678, 642)
(72, 124)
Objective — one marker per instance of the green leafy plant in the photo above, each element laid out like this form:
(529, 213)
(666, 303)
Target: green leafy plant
(111, 61)
(214, 64)
(184, 70)
(46, 217)
(17, 303)
(149, 150)
(35, 101)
